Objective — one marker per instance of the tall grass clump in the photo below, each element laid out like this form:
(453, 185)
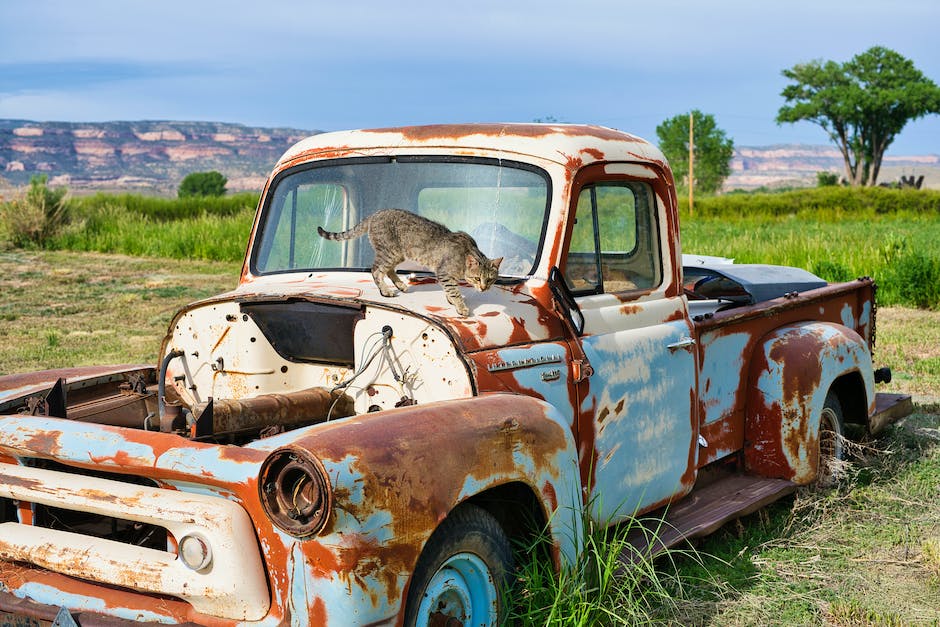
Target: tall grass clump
(913, 279)
(610, 583)
(113, 228)
(36, 216)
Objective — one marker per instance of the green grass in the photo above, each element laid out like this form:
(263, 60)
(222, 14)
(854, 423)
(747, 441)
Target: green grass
(899, 251)
(114, 229)
(829, 202)
(838, 233)
(164, 209)
(866, 552)
(600, 588)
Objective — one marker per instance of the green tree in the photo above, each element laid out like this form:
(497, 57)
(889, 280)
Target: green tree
(202, 184)
(713, 150)
(862, 104)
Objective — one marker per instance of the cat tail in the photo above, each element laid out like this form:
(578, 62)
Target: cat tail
(352, 233)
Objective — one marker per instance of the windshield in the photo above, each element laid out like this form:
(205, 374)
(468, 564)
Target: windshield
(502, 205)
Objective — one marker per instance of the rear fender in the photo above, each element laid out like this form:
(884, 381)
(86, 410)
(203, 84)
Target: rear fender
(397, 474)
(791, 372)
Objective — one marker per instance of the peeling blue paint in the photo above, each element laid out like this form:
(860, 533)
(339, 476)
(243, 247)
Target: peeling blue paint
(641, 392)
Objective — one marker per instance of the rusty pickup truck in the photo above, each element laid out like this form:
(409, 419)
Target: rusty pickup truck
(307, 451)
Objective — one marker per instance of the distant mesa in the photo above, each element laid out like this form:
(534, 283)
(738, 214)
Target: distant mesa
(796, 165)
(149, 157)
(152, 157)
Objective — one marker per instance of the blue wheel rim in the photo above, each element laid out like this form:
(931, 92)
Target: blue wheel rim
(462, 589)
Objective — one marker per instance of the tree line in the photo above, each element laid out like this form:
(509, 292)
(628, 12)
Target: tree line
(862, 105)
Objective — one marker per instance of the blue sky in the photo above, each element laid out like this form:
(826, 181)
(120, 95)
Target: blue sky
(363, 63)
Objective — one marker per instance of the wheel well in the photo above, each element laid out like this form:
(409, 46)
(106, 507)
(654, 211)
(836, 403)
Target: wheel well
(851, 392)
(517, 509)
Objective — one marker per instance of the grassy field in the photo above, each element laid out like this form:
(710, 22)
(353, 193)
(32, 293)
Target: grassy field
(838, 233)
(74, 309)
(864, 553)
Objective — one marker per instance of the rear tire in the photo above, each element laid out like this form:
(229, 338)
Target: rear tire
(831, 443)
(462, 573)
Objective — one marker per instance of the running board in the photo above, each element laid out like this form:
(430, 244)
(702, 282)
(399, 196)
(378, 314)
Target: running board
(700, 513)
(889, 408)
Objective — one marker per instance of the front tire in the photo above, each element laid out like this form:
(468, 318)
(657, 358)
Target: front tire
(461, 575)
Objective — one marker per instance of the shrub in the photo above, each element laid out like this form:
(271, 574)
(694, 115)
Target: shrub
(202, 184)
(35, 217)
(826, 179)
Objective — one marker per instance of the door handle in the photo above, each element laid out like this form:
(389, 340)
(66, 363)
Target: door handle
(685, 343)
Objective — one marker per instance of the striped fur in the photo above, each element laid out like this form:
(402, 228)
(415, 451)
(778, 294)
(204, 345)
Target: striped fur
(397, 235)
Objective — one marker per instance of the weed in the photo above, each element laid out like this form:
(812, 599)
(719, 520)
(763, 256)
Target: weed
(35, 217)
(610, 583)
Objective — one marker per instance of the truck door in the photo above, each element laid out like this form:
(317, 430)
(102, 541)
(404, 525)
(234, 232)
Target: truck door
(637, 421)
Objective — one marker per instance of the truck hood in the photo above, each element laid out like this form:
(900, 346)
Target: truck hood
(504, 315)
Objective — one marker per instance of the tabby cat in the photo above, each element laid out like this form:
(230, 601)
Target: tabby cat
(397, 235)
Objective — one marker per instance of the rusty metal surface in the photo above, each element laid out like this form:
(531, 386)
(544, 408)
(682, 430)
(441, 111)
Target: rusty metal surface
(283, 410)
(491, 406)
(16, 386)
(888, 409)
(392, 474)
(792, 372)
(703, 512)
(729, 339)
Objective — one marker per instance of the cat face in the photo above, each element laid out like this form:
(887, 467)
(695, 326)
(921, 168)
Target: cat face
(482, 275)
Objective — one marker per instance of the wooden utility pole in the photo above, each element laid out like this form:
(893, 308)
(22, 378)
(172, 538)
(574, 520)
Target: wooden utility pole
(691, 163)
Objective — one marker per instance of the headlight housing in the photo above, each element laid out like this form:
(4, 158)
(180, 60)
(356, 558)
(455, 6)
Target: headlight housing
(295, 491)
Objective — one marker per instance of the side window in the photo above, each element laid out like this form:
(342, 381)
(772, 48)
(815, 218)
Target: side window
(615, 243)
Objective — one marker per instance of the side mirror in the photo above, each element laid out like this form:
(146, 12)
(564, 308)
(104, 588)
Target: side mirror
(564, 300)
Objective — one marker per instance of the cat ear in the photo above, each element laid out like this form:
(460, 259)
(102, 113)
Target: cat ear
(495, 263)
(472, 263)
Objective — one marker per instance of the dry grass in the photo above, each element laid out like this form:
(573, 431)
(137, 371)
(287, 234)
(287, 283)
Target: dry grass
(908, 340)
(72, 309)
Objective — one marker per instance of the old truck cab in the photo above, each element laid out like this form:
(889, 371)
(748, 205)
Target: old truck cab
(309, 451)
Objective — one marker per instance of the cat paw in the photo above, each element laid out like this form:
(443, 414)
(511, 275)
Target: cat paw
(463, 311)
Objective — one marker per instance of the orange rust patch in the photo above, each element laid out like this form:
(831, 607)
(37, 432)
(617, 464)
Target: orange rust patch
(318, 613)
(455, 131)
(548, 491)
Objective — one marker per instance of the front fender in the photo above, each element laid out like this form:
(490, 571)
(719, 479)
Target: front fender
(791, 372)
(397, 474)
